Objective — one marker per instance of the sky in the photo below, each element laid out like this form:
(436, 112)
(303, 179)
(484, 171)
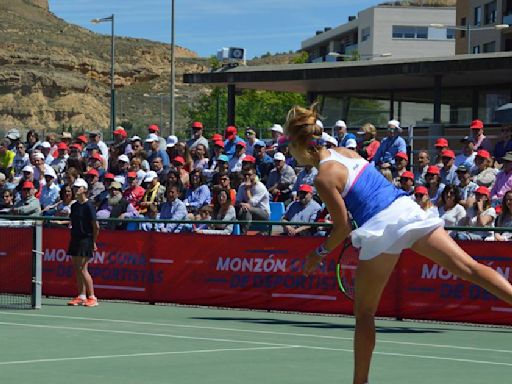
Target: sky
(205, 26)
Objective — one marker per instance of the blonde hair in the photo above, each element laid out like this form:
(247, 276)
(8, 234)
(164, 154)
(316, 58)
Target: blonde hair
(386, 172)
(302, 130)
(370, 128)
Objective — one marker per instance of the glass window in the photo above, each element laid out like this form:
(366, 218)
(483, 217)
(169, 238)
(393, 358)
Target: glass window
(463, 22)
(477, 17)
(409, 32)
(450, 33)
(421, 32)
(365, 34)
(490, 13)
(489, 101)
(476, 49)
(489, 47)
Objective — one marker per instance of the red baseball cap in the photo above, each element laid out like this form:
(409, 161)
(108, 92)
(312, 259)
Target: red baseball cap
(217, 137)
(306, 188)
(421, 190)
(483, 191)
(249, 159)
(179, 159)
(96, 156)
(92, 172)
(441, 142)
(477, 124)
(402, 155)
(230, 132)
(219, 143)
(131, 175)
(153, 128)
(407, 175)
(82, 138)
(120, 131)
(483, 154)
(241, 143)
(433, 170)
(197, 125)
(109, 176)
(62, 145)
(27, 185)
(448, 153)
(76, 145)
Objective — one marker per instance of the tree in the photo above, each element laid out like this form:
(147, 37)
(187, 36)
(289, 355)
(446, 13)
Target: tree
(256, 109)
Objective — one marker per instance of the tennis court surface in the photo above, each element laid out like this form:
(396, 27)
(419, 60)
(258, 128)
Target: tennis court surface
(140, 343)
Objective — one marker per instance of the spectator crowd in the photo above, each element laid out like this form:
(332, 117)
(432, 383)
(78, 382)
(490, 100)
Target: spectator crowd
(234, 176)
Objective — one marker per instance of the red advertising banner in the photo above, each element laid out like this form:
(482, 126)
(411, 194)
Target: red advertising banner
(265, 273)
(15, 260)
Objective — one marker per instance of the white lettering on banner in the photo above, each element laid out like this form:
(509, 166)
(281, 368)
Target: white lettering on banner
(505, 274)
(437, 272)
(237, 264)
(59, 255)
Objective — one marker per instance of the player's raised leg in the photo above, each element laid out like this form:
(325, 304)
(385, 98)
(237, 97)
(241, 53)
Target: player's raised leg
(371, 278)
(442, 249)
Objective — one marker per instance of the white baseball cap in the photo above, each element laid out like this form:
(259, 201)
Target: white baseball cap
(351, 143)
(80, 183)
(279, 156)
(50, 172)
(38, 156)
(320, 124)
(152, 137)
(172, 141)
(340, 124)
(28, 168)
(150, 176)
(45, 144)
(394, 123)
(123, 158)
(135, 138)
(277, 128)
(329, 139)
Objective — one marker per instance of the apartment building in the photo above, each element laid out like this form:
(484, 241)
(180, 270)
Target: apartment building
(481, 25)
(395, 29)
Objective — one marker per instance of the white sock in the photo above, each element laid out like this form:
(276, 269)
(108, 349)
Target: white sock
(82, 296)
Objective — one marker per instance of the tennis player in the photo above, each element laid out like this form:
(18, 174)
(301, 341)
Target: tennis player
(84, 232)
(388, 222)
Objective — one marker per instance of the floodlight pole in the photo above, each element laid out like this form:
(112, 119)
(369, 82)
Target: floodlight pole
(173, 70)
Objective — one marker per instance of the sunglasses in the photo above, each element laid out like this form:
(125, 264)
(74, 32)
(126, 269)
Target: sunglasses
(418, 195)
(247, 174)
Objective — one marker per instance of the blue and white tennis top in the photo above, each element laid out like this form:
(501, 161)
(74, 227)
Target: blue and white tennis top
(367, 192)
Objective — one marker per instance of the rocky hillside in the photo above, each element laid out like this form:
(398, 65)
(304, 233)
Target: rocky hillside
(54, 74)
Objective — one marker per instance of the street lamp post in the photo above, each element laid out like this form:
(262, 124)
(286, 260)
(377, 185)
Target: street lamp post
(348, 56)
(468, 29)
(173, 69)
(112, 61)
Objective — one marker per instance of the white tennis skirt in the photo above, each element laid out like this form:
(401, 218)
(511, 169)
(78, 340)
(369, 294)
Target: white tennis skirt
(394, 229)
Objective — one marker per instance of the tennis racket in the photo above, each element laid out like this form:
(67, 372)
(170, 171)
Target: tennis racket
(346, 269)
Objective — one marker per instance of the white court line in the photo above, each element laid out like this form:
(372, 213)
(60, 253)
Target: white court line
(97, 357)
(305, 296)
(119, 288)
(161, 261)
(260, 343)
(144, 334)
(444, 346)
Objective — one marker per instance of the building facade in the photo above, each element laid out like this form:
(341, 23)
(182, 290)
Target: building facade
(387, 30)
(481, 18)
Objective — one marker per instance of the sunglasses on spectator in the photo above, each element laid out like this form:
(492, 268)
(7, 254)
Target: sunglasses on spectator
(418, 195)
(247, 174)
(225, 178)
